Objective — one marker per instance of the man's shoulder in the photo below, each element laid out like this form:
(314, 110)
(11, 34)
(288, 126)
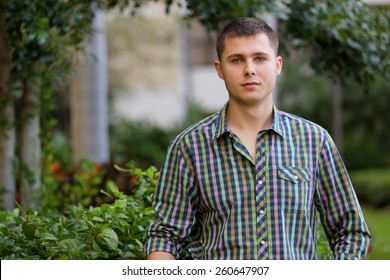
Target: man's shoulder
(204, 126)
(300, 123)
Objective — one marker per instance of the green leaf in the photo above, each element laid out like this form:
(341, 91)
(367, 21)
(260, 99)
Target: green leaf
(110, 238)
(141, 228)
(119, 168)
(97, 219)
(140, 244)
(28, 230)
(4, 229)
(62, 257)
(129, 255)
(120, 203)
(49, 236)
(95, 246)
(71, 244)
(3, 216)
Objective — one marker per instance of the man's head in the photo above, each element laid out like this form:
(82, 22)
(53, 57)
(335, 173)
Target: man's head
(248, 61)
(245, 27)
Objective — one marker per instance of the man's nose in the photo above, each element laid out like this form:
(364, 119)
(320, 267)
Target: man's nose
(249, 69)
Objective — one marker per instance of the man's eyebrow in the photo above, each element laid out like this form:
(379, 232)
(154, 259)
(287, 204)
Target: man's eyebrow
(235, 55)
(260, 53)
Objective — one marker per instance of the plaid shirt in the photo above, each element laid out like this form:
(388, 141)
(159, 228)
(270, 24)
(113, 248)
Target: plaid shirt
(216, 201)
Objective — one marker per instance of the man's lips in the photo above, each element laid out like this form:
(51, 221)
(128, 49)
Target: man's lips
(250, 84)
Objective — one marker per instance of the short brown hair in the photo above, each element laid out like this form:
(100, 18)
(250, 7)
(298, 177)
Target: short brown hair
(243, 27)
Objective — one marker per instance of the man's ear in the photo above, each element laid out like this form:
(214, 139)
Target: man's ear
(279, 65)
(217, 65)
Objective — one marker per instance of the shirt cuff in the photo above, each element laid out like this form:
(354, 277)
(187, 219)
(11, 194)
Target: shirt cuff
(344, 256)
(159, 244)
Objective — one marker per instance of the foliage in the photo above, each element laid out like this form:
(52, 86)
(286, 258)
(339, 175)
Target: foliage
(366, 119)
(75, 187)
(372, 186)
(213, 14)
(343, 38)
(147, 145)
(108, 231)
(41, 36)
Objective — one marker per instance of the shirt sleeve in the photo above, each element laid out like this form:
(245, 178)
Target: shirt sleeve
(174, 202)
(340, 212)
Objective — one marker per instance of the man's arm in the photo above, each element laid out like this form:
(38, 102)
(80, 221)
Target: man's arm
(339, 207)
(160, 256)
(173, 204)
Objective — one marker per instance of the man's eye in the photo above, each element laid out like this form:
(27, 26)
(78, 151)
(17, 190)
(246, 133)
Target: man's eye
(259, 58)
(237, 60)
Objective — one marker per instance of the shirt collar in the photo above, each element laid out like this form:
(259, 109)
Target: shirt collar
(277, 124)
(222, 127)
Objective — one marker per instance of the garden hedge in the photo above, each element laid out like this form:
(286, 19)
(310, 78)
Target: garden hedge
(372, 186)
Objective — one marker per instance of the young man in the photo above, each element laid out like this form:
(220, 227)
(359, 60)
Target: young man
(246, 182)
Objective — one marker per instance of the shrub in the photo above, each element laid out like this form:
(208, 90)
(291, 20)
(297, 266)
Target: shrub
(127, 136)
(108, 231)
(372, 186)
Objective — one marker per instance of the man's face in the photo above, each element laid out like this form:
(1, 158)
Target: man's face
(249, 67)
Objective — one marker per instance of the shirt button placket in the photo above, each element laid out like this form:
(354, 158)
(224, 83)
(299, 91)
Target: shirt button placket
(261, 200)
(261, 217)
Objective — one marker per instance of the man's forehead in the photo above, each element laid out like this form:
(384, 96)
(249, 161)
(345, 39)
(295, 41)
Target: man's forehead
(247, 44)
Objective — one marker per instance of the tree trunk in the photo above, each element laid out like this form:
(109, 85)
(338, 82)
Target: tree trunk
(186, 84)
(7, 118)
(30, 143)
(89, 99)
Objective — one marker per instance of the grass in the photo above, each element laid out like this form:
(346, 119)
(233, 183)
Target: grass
(378, 221)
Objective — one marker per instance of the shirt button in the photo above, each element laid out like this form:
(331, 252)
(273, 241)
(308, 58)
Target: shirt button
(262, 242)
(260, 182)
(296, 177)
(261, 211)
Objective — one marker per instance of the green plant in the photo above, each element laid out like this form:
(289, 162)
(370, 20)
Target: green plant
(126, 139)
(109, 231)
(61, 187)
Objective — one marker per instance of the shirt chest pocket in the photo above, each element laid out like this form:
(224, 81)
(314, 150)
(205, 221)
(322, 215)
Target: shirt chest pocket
(294, 187)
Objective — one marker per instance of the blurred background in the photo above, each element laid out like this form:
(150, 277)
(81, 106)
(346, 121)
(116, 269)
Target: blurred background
(141, 75)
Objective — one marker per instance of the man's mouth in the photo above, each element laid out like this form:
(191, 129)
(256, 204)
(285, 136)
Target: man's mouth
(250, 84)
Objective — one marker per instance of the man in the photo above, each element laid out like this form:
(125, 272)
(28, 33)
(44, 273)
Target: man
(246, 182)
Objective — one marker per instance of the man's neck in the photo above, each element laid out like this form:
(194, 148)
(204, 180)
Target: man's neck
(247, 122)
(250, 119)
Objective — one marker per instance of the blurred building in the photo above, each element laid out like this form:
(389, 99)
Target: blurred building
(158, 66)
